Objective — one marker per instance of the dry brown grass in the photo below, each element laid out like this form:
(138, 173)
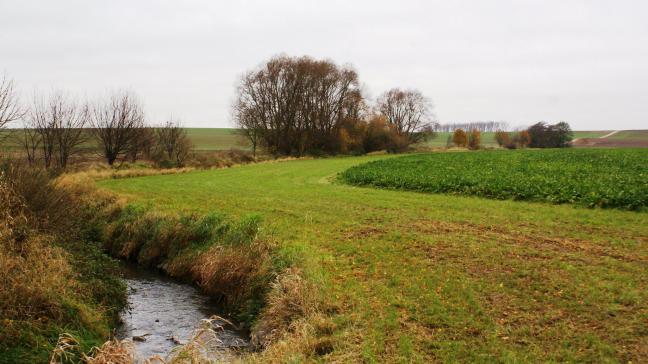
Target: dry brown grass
(233, 274)
(98, 174)
(293, 323)
(33, 275)
(290, 299)
(44, 260)
(114, 351)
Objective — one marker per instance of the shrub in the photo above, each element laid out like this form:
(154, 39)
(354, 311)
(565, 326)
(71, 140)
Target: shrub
(459, 138)
(543, 135)
(522, 139)
(474, 139)
(502, 138)
(380, 135)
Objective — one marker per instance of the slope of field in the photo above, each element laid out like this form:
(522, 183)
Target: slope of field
(591, 177)
(620, 139)
(630, 135)
(411, 277)
(590, 134)
(209, 139)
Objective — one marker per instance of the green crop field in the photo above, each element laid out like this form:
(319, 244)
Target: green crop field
(601, 177)
(414, 277)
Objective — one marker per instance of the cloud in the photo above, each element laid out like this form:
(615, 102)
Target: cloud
(520, 61)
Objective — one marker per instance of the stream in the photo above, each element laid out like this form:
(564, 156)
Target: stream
(162, 313)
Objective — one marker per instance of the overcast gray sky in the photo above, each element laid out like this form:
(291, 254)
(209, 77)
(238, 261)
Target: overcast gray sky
(583, 61)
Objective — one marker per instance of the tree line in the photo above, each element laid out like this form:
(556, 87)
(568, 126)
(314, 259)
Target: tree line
(481, 126)
(538, 135)
(300, 105)
(57, 127)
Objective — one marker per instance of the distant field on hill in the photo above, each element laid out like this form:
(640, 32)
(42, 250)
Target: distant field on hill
(204, 139)
(213, 139)
(208, 139)
(622, 139)
(591, 134)
(630, 135)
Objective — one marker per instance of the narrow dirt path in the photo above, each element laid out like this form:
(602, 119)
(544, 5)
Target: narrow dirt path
(609, 134)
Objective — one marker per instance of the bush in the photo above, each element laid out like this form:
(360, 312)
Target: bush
(502, 138)
(381, 135)
(459, 138)
(543, 135)
(474, 139)
(522, 139)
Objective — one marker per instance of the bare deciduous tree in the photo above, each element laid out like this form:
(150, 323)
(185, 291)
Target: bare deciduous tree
(57, 126)
(249, 127)
(117, 123)
(408, 111)
(39, 120)
(29, 140)
(293, 105)
(143, 144)
(173, 144)
(10, 109)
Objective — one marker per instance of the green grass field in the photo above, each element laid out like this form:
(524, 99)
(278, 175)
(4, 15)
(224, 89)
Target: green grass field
(415, 277)
(590, 177)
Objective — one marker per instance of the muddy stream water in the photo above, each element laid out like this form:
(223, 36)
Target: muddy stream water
(163, 313)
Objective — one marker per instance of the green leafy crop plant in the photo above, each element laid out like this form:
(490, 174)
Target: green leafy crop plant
(609, 178)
